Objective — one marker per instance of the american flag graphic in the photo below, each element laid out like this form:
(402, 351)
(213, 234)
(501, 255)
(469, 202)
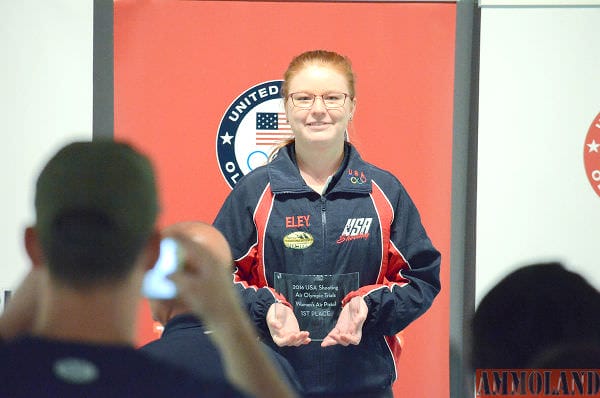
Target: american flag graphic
(271, 128)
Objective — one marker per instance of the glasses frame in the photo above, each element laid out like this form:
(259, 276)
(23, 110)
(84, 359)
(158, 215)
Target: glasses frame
(346, 95)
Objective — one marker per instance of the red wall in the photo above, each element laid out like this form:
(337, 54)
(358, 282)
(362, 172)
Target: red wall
(180, 64)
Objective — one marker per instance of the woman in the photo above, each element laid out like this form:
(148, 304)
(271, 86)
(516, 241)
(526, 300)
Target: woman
(331, 257)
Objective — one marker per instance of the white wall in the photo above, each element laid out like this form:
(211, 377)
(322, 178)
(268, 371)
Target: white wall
(45, 101)
(539, 94)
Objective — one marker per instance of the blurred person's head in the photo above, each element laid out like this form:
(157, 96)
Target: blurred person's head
(533, 309)
(570, 355)
(96, 205)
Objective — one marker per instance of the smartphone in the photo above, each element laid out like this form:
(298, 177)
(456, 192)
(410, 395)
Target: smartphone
(156, 285)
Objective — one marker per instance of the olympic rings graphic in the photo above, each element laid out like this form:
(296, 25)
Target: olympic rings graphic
(251, 159)
(358, 180)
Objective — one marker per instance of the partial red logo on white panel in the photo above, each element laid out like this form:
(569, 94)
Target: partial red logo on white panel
(591, 154)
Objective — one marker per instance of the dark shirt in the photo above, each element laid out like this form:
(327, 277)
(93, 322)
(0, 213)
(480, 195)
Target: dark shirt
(39, 367)
(185, 343)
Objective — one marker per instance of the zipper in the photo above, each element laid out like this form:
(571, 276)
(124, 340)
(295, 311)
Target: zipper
(323, 220)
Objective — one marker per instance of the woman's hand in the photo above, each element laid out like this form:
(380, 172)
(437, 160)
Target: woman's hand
(284, 327)
(348, 329)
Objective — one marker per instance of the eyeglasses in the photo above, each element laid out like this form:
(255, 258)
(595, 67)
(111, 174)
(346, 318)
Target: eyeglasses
(330, 100)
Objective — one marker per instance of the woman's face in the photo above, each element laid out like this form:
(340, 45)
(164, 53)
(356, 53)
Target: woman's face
(319, 124)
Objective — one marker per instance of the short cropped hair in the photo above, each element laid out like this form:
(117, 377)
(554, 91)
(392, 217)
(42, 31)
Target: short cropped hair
(96, 205)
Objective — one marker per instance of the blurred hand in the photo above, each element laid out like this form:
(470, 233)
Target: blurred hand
(348, 329)
(284, 327)
(205, 283)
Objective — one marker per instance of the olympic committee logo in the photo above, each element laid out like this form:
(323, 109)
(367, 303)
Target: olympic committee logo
(252, 126)
(591, 154)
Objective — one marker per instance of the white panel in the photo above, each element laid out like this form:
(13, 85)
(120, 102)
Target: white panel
(539, 94)
(510, 3)
(45, 100)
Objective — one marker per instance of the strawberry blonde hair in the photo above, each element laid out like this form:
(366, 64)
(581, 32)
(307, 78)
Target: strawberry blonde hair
(321, 58)
(326, 58)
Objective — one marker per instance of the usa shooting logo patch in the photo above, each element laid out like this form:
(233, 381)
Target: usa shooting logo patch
(252, 126)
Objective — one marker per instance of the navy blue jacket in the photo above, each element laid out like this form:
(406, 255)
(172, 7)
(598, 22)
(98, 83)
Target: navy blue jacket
(185, 343)
(362, 237)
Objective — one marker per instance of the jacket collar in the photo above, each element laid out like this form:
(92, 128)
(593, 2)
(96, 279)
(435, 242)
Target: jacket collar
(352, 176)
(182, 321)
